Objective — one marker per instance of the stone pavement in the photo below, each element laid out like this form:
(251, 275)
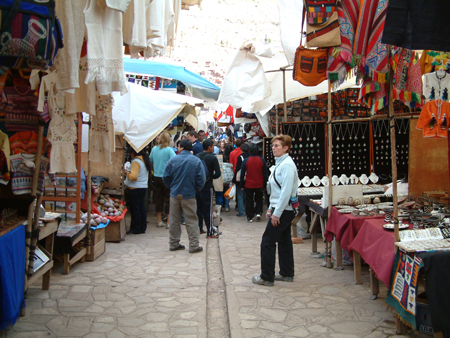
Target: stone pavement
(138, 288)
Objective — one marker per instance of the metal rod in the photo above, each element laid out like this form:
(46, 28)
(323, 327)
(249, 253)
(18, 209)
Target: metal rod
(284, 96)
(89, 194)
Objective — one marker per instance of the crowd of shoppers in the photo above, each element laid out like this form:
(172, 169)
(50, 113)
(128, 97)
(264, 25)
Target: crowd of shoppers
(184, 189)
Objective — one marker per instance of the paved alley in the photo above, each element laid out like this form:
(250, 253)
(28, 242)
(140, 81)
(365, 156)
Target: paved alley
(138, 288)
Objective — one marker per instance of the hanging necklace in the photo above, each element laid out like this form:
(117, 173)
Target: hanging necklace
(314, 131)
(308, 131)
(403, 126)
(351, 131)
(338, 131)
(364, 129)
(294, 134)
(302, 127)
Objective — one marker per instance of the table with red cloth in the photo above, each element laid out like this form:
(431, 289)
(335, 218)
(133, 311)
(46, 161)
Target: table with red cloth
(376, 246)
(344, 228)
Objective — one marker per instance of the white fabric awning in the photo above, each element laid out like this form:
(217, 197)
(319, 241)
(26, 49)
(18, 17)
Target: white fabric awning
(143, 113)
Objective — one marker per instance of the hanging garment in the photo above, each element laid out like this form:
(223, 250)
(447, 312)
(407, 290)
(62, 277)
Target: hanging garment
(436, 85)
(365, 21)
(134, 27)
(376, 62)
(46, 89)
(433, 119)
(19, 103)
(70, 13)
(4, 171)
(100, 144)
(62, 133)
(4, 146)
(340, 59)
(26, 142)
(22, 173)
(104, 48)
(418, 24)
(432, 61)
(408, 86)
(120, 5)
(83, 98)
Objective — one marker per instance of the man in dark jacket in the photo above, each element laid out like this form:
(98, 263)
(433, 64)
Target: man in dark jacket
(254, 168)
(185, 176)
(205, 196)
(196, 144)
(245, 147)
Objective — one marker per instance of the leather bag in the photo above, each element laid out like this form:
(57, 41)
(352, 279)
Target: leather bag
(310, 65)
(327, 34)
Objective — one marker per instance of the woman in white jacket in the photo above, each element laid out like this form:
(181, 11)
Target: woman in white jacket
(282, 184)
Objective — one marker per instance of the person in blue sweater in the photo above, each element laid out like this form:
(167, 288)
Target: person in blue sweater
(159, 156)
(184, 175)
(282, 184)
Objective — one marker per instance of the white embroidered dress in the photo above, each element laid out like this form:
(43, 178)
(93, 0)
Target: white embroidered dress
(104, 48)
(100, 144)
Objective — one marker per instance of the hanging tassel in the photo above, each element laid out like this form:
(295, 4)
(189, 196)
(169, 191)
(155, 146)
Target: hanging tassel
(432, 122)
(444, 123)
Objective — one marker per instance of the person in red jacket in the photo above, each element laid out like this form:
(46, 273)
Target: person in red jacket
(235, 153)
(255, 173)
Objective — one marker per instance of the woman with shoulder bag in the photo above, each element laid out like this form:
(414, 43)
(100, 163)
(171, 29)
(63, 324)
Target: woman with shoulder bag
(281, 184)
(137, 183)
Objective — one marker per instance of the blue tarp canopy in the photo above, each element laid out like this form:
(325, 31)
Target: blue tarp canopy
(198, 86)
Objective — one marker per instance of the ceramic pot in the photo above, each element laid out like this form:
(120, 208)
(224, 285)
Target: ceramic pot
(341, 201)
(376, 200)
(366, 200)
(357, 201)
(350, 201)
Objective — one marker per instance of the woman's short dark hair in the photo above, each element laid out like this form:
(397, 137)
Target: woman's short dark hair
(245, 147)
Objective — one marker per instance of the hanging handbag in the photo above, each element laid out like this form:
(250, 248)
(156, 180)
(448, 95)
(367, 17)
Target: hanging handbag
(310, 65)
(327, 34)
(30, 34)
(319, 11)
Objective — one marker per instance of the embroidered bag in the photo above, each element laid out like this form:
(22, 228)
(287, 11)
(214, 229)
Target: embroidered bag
(327, 34)
(310, 65)
(30, 34)
(319, 11)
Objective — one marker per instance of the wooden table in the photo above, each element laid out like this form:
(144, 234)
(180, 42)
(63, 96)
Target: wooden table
(47, 233)
(344, 228)
(71, 234)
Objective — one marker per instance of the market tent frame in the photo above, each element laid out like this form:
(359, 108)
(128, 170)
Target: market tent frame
(142, 113)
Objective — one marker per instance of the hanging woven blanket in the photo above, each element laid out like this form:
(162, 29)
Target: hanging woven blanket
(340, 59)
(376, 62)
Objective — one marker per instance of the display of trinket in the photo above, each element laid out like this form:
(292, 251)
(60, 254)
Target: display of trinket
(6, 215)
(382, 148)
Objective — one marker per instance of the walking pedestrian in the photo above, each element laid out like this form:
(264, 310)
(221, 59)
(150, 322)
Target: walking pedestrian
(205, 196)
(196, 144)
(283, 183)
(254, 168)
(159, 156)
(240, 194)
(137, 184)
(184, 175)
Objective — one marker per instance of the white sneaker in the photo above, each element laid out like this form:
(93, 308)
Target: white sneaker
(167, 226)
(161, 225)
(258, 218)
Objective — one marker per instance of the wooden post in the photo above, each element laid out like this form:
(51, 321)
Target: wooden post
(34, 209)
(284, 94)
(330, 148)
(89, 195)
(393, 150)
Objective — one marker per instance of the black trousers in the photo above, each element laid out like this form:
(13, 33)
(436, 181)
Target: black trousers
(138, 210)
(204, 199)
(253, 201)
(280, 234)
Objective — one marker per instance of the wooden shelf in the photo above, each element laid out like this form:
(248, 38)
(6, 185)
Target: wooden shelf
(59, 199)
(41, 272)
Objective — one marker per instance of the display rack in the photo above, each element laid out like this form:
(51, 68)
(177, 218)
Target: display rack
(66, 198)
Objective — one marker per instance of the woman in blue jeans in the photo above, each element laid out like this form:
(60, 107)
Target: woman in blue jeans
(137, 184)
(282, 184)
